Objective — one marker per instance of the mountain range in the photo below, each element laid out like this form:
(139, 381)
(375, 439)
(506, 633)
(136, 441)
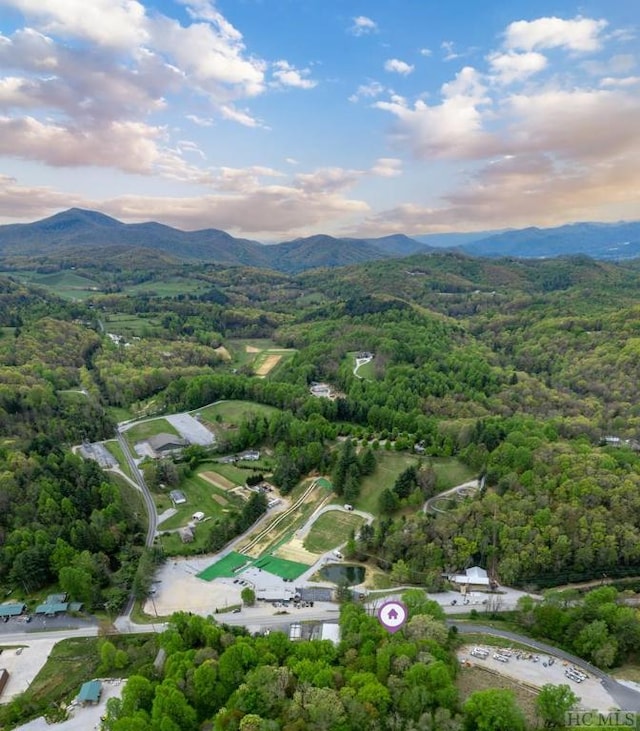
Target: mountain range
(77, 230)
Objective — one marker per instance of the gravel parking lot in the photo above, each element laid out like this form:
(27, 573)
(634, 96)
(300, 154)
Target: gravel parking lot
(539, 672)
(23, 664)
(191, 429)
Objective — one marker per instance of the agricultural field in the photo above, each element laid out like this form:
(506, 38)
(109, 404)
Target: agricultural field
(66, 284)
(167, 287)
(263, 356)
(331, 530)
(129, 326)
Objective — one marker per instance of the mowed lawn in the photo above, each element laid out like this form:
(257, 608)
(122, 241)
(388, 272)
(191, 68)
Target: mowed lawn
(146, 429)
(235, 412)
(449, 472)
(331, 530)
(201, 496)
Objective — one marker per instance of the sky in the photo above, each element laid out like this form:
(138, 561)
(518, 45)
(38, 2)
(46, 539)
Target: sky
(274, 119)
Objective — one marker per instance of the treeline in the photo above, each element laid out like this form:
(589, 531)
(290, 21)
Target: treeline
(598, 626)
(372, 680)
(62, 522)
(228, 526)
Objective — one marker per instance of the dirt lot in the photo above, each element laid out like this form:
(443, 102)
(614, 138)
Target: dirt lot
(218, 480)
(295, 551)
(23, 665)
(528, 672)
(270, 362)
(251, 349)
(178, 589)
(219, 499)
(191, 429)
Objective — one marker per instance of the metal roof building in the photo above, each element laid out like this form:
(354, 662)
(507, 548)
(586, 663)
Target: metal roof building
(90, 692)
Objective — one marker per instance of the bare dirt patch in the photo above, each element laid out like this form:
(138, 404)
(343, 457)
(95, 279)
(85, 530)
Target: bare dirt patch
(269, 363)
(219, 499)
(251, 349)
(218, 480)
(295, 551)
(223, 353)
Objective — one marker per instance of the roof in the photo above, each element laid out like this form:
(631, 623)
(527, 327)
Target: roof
(475, 572)
(11, 610)
(166, 441)
(90, 692)
(178, 497)
(52, 608)
(56, 598)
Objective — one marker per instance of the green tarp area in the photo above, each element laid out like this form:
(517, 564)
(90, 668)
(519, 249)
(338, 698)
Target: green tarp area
(281, 567)
(227, 566)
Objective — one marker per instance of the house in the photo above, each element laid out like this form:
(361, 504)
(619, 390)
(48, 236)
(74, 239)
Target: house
(473, 578)
(178, 497)
(90, 693)
(251, 455)
(166, 443)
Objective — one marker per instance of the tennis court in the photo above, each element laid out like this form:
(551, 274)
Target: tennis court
(281, 567)
(227, 566)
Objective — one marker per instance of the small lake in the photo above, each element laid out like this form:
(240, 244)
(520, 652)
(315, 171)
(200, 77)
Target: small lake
(343, 574)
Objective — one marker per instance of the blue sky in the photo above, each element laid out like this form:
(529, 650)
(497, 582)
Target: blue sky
(280, 118)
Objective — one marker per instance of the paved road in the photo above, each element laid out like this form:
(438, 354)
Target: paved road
(139, 480)
(627, 698)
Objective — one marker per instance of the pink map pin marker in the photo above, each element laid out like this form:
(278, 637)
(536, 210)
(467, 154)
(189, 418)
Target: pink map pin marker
(392, 615)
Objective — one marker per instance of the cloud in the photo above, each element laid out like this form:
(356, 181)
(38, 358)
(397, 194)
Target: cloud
(288, 75)
(200, 121)
(449, 52)
(426, 52)
(367, 91)
(243, 201)
(229, 112)
(396, 66)
(363, 26)
(387, 167)
(109, 23)
(452, 129)
(510, 67)
(579, 35)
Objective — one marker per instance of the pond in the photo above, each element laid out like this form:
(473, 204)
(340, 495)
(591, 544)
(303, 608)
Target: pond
(343, 574)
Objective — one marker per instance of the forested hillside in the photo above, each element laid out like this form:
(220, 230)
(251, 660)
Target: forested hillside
(527, 371)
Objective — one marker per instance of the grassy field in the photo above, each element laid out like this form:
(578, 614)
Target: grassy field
(281, 567)
(449, 472)
(168, 287)
(172, 544)
(71, 663)
(146, 429)
(235, 412)
(332, 529)
(199, 494)
(237, 475)
(65, 284)
(127, 325)
(365, 371)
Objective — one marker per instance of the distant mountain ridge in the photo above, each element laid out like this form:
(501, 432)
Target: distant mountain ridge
(82, 230)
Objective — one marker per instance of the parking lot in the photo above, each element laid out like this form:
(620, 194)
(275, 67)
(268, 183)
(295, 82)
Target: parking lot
(23, 664)
(537, 669)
